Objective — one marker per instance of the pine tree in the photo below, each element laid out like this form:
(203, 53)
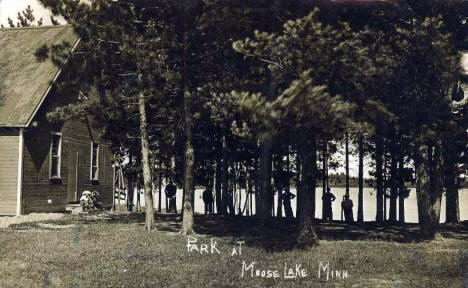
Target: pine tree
(25, 18)
(309, 103)
(120, 51)
(428, 79)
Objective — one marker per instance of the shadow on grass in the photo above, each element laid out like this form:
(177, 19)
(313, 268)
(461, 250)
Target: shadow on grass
(277, 234)
(282, 232)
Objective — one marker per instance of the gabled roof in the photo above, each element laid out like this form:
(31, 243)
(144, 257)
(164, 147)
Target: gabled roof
(24, 81)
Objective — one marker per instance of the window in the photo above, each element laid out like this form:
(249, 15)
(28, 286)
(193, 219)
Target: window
(55, 155)
(94, 173)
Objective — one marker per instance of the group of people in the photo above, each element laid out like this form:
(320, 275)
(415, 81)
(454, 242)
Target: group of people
(171, 193)
(328, 198)
(286, 197)
(346, 207)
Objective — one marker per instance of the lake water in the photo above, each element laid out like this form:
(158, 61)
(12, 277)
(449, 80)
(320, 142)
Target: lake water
(411, 208)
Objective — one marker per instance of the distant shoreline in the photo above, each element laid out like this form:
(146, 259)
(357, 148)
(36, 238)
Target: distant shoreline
(338, 180)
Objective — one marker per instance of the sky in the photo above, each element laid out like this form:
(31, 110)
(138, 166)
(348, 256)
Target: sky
(464, 62)
(10, 8)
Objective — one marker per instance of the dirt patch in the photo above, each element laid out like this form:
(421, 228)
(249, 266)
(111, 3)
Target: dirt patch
(34, 217)
(54, 226)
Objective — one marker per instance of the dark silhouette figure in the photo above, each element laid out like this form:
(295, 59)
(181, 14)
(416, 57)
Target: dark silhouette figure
(347, 209)
(208, 200)
(328, 198)
(286, 197)
(171, 193)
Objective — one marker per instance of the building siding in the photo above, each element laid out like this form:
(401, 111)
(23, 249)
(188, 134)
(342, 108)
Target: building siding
(9, 141)
(41, 194)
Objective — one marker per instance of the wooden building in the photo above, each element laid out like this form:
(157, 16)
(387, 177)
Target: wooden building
(44, 166)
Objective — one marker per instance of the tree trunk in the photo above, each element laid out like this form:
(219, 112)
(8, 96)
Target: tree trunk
(385, 182)
(394, 181)
(149, 222)
(187, 220)
(130, 188)
(239, 170)
(238, 188)
(183, 201)
(378, 170)
(324, 175)
(287, 188)
(264, 193)
(360, 214)
(225, 177)
(299, 178)
(232, 189)
(402, 188)
(428, 164)
(138, 202)
(279, 184)
(452, 212)
(218, 177)
(160, 192)
(211, 185)
(305, 202)
(347, 163)
(248, 189)
(257, 185)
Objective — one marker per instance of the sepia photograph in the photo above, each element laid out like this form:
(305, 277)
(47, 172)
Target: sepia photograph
(234, 143)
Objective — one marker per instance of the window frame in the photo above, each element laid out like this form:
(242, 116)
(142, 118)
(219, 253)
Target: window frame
(96, 176)
(59, 156)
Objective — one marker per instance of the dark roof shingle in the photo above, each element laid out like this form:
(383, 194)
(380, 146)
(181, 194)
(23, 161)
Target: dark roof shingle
(24, 82)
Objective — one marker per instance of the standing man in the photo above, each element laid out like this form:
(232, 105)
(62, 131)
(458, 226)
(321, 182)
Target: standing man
(208, 200)
(171, 193)
(328, 198)
(286, 197)
(347, 209)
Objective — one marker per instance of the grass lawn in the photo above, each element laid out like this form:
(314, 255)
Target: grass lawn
(115, 251)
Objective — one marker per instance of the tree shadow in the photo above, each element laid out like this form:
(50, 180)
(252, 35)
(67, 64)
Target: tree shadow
(275, 234)
(279, 234)
(272, 235)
